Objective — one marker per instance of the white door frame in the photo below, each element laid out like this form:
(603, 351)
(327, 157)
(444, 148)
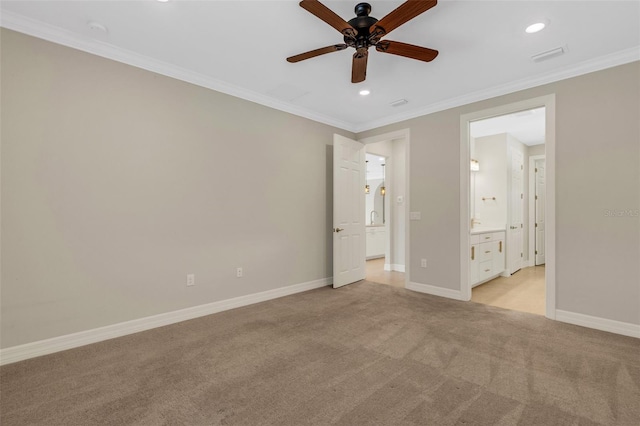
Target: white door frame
(532, 208)
(405, 135)
(549, 102)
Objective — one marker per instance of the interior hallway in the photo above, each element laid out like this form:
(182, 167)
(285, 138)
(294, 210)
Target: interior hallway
(377, 274)
(523, 291)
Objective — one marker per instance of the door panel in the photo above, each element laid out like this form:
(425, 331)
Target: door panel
(540, 206)
(515, 224)
(348, 211)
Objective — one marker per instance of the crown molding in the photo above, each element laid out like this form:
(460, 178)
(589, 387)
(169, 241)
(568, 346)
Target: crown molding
(63, 37)
(608, 61)
(57, 35)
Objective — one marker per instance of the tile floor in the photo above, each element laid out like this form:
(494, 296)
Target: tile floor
(523, 291)
(377, 274)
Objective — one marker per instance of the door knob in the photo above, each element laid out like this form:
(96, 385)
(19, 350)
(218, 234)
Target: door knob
(338, 229)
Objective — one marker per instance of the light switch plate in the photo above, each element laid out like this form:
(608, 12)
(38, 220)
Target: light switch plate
(414, 216)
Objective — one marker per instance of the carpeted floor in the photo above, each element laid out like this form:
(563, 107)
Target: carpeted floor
(365, 354)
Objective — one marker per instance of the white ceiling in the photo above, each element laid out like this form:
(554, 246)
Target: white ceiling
(239, 47)
(526, 126)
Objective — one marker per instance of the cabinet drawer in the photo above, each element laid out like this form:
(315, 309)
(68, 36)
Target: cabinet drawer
(486, 251)
(484, 238)
(485, 269)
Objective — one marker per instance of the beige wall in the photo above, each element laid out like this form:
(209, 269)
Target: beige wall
(117, 182)
(597, 169)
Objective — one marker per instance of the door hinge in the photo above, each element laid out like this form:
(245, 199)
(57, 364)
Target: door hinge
(521, 226)
(521, 196)
(520, 254)
(536, 170)
(536, 197)
(536, 251)
(521, 167)
(536, 224)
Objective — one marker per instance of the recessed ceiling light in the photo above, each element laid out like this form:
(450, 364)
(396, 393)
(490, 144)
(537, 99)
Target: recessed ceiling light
(534, 28)
(163, 1)
(364, 92)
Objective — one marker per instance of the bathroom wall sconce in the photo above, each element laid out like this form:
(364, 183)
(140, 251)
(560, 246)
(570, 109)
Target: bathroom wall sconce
(475, 165)
(366, 174)
(383, 190)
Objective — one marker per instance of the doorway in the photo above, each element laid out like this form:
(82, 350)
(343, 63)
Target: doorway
(497, 264)
(385, 213)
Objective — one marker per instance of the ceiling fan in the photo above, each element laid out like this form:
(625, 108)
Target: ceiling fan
(365, 31)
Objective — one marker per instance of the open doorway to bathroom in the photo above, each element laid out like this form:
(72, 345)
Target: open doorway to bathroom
(384, 213)
(506, 211)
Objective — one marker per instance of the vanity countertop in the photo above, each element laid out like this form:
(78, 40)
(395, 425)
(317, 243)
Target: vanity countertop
(375, 226)
(484, 230)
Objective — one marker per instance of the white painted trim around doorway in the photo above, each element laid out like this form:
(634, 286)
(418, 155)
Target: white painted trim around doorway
(549, 102)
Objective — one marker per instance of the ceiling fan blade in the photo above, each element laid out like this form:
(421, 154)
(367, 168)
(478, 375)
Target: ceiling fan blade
(359, 67)
(316, 52)
(403, 13)
(407, 50)
(327, 15)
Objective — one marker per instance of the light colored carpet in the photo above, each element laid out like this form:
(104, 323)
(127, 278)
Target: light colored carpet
(523, 291)
(364, 354)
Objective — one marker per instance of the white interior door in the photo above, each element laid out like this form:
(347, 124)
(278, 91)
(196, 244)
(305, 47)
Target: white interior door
(515, 202)
(540, 206)
(349, 238)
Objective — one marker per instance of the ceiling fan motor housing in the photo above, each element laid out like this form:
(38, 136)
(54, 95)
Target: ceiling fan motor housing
(362, 22)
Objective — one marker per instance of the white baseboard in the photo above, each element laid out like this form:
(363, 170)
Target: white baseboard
(435, 291)
(612, 326)
(393, 267)
(69, 341)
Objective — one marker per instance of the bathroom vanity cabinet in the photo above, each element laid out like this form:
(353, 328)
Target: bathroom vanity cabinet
(487, 254)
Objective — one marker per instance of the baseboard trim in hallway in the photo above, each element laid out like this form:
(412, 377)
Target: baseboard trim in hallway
(74, 340)
(436, 291)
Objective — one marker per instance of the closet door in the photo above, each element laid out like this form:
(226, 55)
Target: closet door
(515, 208)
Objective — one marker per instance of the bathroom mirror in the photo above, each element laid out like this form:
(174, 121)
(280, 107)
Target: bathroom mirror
(375, 206)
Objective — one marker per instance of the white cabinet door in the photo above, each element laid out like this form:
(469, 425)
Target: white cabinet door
(474, 277)
(498, 254)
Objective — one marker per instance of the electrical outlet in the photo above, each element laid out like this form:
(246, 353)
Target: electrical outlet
(239, 272)
(423, 263)
(414, 215)
(191, 279)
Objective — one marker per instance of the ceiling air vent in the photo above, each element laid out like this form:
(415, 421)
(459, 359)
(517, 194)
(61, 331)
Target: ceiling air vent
(548, 54)
(399, 102)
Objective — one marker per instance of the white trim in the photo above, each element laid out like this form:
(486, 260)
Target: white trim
(608, 61)
(531, 250)
(549, 102)
(435, 291)
(67, 38)
(58, 35)
(74, 340)
(612, 326)
(393, 267)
